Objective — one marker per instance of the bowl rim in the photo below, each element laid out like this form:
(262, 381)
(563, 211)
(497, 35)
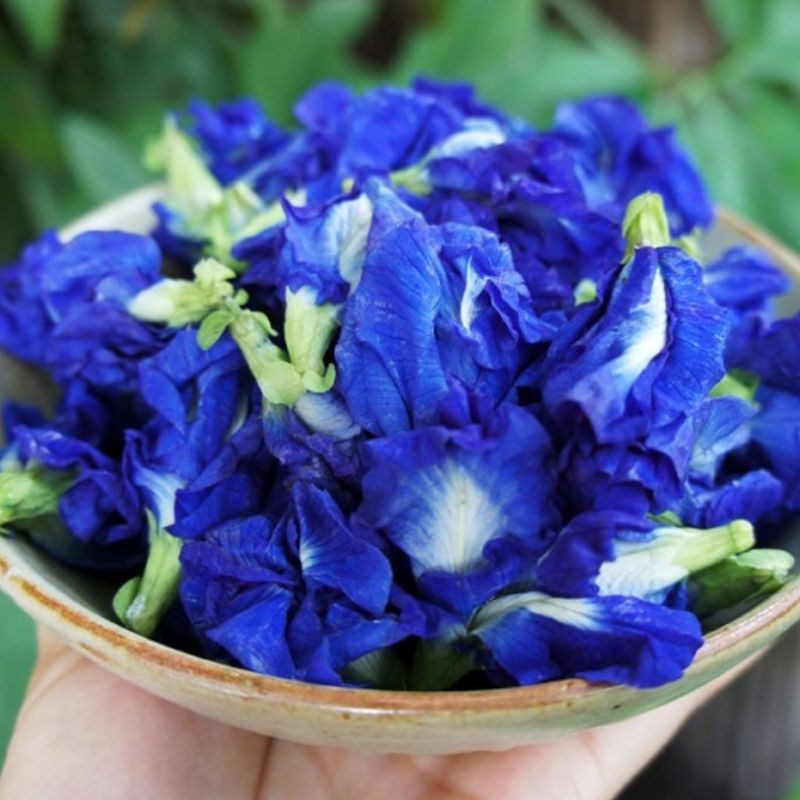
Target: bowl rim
(53, 607)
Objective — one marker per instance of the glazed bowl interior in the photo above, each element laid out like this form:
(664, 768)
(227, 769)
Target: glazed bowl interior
(77, 606)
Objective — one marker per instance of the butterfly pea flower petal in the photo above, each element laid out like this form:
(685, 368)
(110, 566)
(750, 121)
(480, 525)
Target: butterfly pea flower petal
(443, 494)
(755, 496)
(619, 156)
(331, 556)
(390, 372)
(768, 351)
(653, 354)
(535, 637)
(235, 136)
(326, 246)
(745, 279)
(776, 431)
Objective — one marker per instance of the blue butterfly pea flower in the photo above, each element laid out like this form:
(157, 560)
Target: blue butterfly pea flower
(283, 597)
(467, 492)
(745, 279)
(534, 637)
(619, 156)
(653, 352)
(389, 368)
(100, 507)
(235, 136)
(44, 300)
(622, 554)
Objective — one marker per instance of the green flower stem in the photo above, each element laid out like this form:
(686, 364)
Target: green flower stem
(142, 602)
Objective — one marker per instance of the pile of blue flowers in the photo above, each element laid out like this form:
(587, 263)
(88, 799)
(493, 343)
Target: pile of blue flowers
(415, 396)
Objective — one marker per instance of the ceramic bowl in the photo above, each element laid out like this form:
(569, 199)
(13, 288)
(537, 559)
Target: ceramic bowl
(78, 608)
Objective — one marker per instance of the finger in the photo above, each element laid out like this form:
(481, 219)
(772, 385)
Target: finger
(621, 750)
(82, 733)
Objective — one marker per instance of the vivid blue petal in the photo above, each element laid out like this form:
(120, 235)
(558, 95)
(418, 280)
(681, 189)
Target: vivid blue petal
(620, 157)
(390, 128)
(389, 368)
(776, 430)
(754, 496)
(443, 494)
(534, 637)
(326, 246)
(745, 279)
(653, 353)
(495, 314)
(200, 397)
(235, 136)
(770, 352)
(101, 345)
(255, 632)
(722, 424)
(332, 556)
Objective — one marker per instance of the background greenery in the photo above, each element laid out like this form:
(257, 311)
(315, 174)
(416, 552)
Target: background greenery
(85, 82)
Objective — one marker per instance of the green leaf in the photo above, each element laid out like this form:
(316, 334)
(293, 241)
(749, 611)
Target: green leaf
(39, 21)
(739, 20)
(102, 164)
(294, 46)
(27, 119)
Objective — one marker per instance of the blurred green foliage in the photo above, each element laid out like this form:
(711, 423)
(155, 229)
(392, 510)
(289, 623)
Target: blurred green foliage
(85, 82)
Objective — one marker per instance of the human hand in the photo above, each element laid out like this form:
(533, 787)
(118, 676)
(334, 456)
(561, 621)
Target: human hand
(84, 733)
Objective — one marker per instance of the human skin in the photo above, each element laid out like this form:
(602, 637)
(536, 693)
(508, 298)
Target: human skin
(83, 733)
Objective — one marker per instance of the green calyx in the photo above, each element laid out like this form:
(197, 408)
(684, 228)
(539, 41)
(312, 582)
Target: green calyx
(645, 223)
(30, 492)
(219, 215)
(309, 330)
(643, 568)
(279, 381)
(177, 303)
(283, 377)
(141, 602)
(740, 579)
